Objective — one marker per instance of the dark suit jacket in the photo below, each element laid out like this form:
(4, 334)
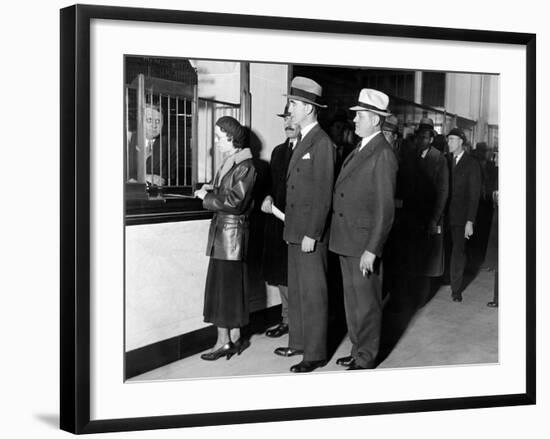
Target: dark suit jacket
(280, 159)
(426, 190)
(275, 252)
(310, 178)
(465, 189)
(363, 203)
(423, 205)
(155, 164)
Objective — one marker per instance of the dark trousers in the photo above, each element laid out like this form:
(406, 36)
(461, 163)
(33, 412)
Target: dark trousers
(458, 259)
(283, 292)
(363, 303)
(477, 246)
(308, 301)
(420, 289)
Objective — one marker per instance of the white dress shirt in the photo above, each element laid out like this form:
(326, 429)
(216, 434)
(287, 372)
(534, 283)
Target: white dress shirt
(307, 129)
(368, 139)
(458, 157)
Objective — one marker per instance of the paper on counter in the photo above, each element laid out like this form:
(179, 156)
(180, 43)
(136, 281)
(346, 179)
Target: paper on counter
(277, 213)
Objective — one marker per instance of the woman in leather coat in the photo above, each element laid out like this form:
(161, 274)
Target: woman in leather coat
(230, 198)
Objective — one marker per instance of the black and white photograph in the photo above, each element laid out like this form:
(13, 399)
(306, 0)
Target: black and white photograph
(275, 220)
(295, 218)
(287, 218)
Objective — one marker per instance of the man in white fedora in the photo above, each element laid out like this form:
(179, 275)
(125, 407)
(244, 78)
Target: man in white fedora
(363, 211)
(310, 179)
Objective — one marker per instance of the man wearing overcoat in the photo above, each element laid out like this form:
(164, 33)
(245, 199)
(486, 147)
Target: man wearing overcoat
(424, 202)
(465, 190)
(275, 255)
(309, 183)
(363, 212)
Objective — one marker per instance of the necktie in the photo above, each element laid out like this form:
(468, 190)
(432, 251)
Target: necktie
(455, 161)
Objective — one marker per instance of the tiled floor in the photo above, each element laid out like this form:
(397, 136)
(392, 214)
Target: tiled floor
(443, 332)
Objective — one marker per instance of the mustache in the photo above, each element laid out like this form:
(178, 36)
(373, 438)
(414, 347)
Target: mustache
(290, 129)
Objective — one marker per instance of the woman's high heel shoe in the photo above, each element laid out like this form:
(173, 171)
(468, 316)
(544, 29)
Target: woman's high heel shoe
(227, 350)
(241, 344)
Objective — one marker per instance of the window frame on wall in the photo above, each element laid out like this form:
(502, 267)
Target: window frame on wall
(147, 203)
(492, 136)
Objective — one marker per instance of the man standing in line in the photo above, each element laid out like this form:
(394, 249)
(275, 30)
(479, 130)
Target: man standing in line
(423, 206)
(465, 189)
(363, 211)
(275, 254)
(309, 184)
(390, 129)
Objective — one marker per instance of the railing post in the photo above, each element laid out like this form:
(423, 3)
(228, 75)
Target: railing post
(140, 129)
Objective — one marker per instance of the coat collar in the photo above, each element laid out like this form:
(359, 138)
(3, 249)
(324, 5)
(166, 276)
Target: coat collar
(464, 158)
(359, 157)
(431, 153)
(232, 160)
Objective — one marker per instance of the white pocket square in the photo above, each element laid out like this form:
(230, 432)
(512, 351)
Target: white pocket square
(306, 157)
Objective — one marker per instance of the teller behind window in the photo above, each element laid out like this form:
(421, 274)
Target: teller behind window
(157, 150)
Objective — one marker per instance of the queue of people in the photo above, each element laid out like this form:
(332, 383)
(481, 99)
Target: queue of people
(323, 197)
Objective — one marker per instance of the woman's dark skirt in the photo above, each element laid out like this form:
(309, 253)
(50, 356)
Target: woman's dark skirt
(225, 297)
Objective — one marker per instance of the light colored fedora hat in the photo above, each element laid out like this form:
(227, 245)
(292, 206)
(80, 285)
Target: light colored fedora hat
(306, 90)
(374, 101)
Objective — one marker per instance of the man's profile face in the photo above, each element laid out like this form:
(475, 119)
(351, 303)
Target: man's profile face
(153, 123)
(364, 123)
(291, 129)
(297, 110)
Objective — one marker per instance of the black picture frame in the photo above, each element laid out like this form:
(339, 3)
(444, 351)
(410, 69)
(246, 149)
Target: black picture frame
(75, 217)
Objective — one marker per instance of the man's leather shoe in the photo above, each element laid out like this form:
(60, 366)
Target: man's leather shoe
(457, 298)
(287, 352)
(492, 304)
(355, 366)
(307, 366)
(345, 361)
(277, 331)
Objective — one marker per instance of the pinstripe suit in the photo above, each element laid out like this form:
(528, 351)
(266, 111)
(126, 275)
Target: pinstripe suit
(310, 178)
(363, 211)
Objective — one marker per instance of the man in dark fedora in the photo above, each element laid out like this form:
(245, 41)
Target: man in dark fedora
(363, 211)
(275, 256)
(309, 184)
(465, 189)
(390, 129)
(423, 210)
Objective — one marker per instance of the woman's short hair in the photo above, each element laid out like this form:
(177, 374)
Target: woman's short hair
(234, 130)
